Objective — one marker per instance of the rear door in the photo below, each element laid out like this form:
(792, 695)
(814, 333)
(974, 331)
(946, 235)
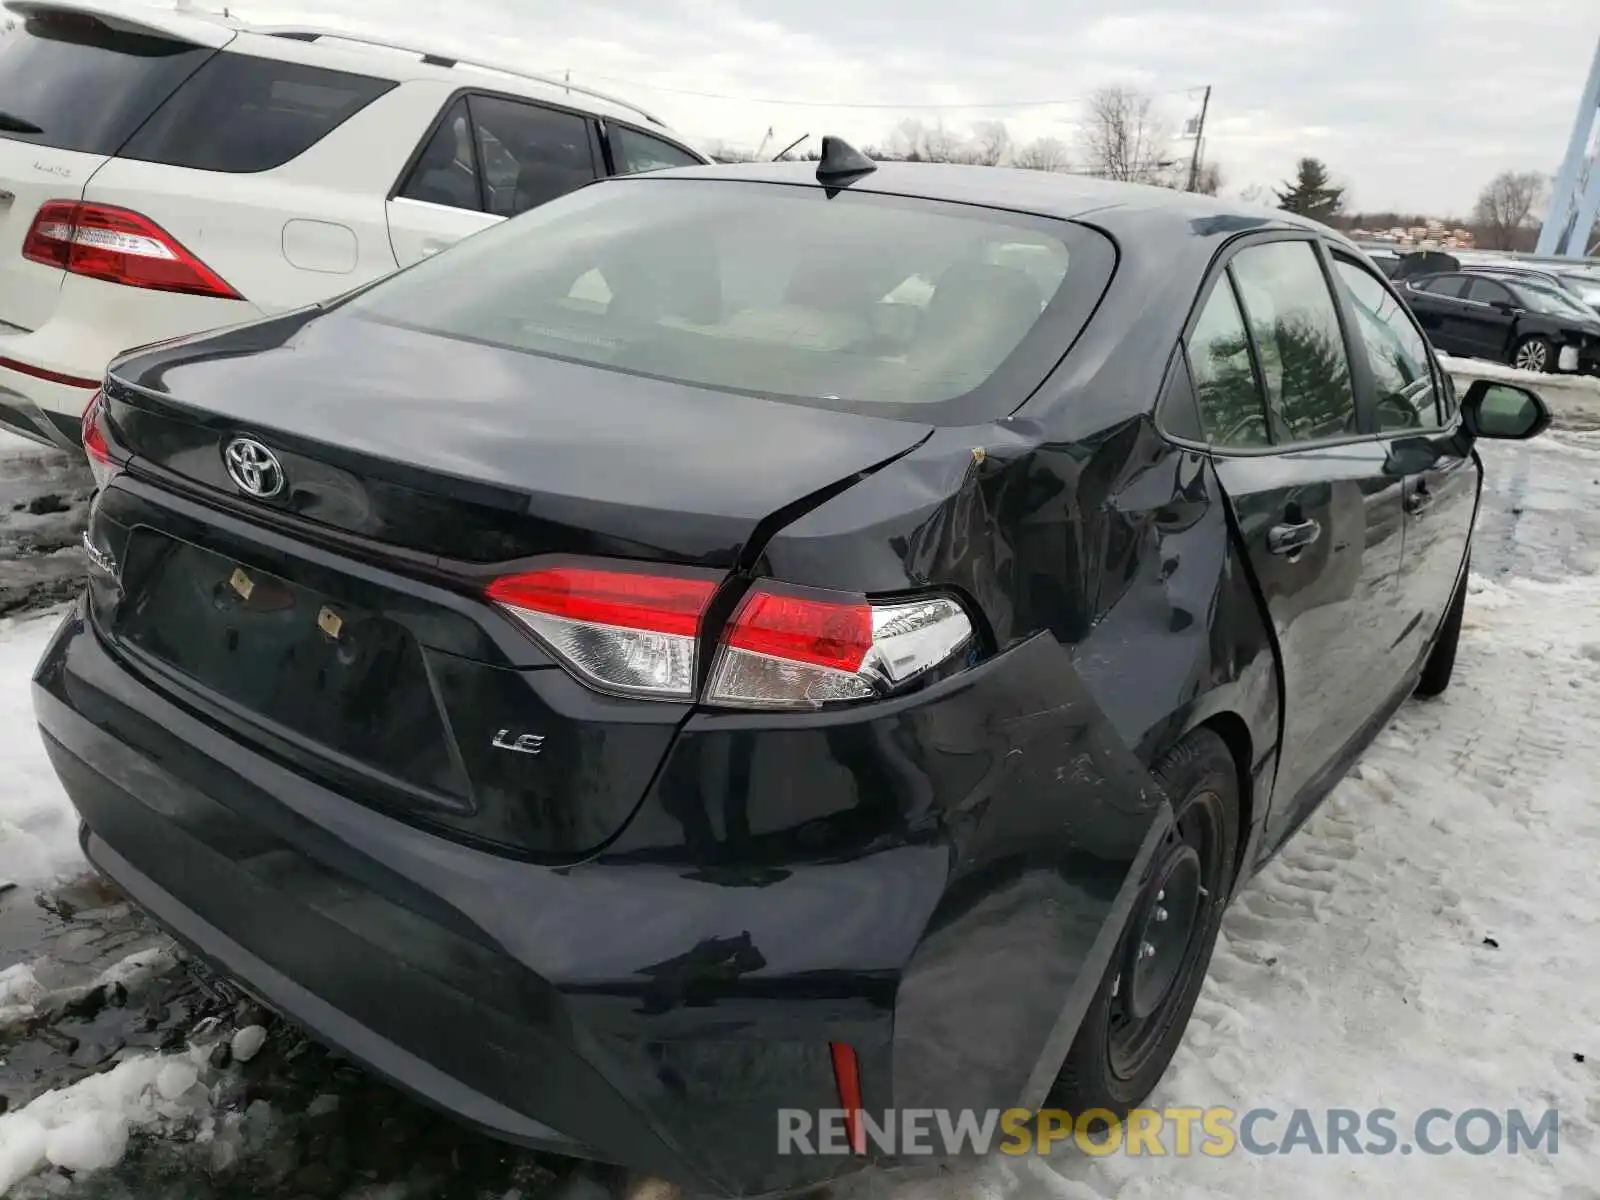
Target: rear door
(1435, 300)
(1317, 504)
(73, 87)
(1489, 317)
(488, 158)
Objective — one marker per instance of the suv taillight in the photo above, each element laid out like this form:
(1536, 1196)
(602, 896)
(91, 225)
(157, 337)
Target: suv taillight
(637, 633)
(119, 246)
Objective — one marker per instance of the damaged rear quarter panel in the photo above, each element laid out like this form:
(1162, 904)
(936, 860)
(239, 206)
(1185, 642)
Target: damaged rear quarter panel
(1105, 566)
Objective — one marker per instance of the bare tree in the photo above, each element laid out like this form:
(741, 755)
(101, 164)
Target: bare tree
(915, 142)
(991, 143)
(1258, 193)
(1123, 137)
(1043, 154)
(1504, 207)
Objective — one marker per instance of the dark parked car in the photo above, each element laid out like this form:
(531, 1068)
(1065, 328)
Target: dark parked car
(1511, 320)
(1583, 287)
(753, 637)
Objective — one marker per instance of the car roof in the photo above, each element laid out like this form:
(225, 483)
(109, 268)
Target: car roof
(1121, 209)
(373, 53)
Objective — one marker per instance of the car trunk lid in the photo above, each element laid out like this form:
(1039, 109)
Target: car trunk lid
(479, 454)
(342, 624)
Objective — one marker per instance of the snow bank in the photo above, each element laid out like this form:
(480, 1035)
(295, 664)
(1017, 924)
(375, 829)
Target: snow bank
(38, 829)
(1574, 399)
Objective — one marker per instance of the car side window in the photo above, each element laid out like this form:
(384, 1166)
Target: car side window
(529, 154)
(1396, 351)
(1225, 383)
(447, 171)
(1294, 325)
(1440, 285)
(633, 152)
(1486, 291)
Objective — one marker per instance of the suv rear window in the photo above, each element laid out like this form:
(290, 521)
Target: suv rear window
(74, 83)
(242, 114)
(860, 302)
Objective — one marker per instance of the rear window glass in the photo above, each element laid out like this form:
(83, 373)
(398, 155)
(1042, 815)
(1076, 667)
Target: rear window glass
(74, 83)
(241, 114)
(860, 302)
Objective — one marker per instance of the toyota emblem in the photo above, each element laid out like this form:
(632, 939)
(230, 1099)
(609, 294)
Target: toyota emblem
(255, 469)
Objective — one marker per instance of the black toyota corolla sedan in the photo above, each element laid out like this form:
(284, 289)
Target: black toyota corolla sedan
(762, 638)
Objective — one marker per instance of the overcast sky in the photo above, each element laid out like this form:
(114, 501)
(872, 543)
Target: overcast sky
(1414, 104)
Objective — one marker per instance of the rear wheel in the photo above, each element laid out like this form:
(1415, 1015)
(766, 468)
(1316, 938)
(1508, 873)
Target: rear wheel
(1534, 354)
(1138, 1016)
(1441, 662)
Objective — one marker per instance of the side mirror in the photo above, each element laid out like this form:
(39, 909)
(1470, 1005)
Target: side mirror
(1504, 306)
(1504, 411)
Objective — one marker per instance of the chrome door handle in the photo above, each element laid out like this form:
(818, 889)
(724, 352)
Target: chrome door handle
(1292, 537)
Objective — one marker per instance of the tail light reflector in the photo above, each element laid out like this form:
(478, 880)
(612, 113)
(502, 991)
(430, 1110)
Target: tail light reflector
(847, 1079)
(117, 245)
(104, 462)
(620, 630)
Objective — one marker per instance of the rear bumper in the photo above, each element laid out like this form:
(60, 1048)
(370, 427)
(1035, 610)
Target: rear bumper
(40, 409)
(638, 1008)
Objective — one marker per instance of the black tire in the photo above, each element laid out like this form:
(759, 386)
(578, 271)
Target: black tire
(1534, 354)
(1119, 1056)
(1441, 662)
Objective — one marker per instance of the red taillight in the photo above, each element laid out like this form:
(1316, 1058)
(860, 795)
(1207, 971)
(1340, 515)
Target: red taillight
(637, 632)
(103, 461)
(821, 632)
(634, 632)
(791, 649)
(119, 246)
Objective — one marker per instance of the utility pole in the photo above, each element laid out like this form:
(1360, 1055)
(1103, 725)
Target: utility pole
(1199, 133)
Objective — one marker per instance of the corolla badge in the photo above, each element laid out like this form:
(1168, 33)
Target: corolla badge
(253, 468)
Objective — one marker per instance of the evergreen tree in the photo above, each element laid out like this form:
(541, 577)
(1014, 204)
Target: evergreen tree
(1310, 194)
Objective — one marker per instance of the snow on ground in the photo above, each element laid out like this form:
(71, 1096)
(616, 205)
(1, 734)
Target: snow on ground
(38, 831)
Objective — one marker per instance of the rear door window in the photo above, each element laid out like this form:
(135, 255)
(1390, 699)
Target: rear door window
(1298, 340)
(241, 114)
(447, 170)
(74, 83)
(1224, 378)
(529, 154)
(633, 152)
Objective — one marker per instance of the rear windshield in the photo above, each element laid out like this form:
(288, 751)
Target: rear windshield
(74, 83)
(242, 114)
(859, 302)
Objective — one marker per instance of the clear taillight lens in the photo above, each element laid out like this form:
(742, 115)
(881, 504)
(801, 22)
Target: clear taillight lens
(638, 632)
(794, 650)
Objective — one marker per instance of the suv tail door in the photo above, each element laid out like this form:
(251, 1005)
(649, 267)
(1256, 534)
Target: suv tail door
(75, 83)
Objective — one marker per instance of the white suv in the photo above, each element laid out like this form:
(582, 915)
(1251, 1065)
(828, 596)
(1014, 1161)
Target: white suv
(173, 171)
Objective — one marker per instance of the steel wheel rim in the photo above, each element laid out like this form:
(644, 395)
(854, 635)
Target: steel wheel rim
(1196, 837)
